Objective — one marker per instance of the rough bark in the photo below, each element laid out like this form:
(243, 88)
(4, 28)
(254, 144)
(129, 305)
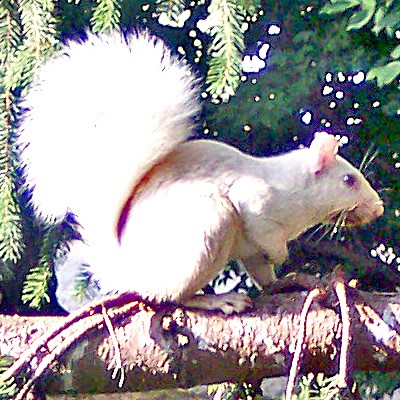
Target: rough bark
(174, 347)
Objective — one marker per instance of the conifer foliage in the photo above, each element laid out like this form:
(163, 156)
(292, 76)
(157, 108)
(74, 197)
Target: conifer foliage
(106, 16)
(226, 47)
(27, 36)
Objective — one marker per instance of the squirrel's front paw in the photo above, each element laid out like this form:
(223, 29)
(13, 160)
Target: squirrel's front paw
(228, 302)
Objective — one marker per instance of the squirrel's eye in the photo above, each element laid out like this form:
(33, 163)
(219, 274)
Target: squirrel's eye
(350, 180)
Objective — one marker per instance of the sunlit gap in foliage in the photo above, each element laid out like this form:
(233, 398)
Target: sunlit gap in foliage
(170, 13)
(307, 116)
(254, 63)
(197, 44)
(387, 255)
(396, 159)
(384, 253)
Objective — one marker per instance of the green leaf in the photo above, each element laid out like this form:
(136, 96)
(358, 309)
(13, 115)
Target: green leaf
(385, 74)
(396, 52)
(335, 7)
(387, 19)
(361, 17)
(391, 108)
(378, 21)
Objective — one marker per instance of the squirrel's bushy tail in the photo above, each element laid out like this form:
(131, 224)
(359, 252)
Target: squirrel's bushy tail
(101, 115)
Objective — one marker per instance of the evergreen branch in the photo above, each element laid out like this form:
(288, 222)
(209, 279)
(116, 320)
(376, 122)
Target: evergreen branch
(38, 21)
(11, 238)
(226, 48)
(85, 287)
(35, 289)
(10, 32)
(39, 41)
(55, 244)
(106, 16)
(8, 387)
(27, 36)
(11, 243)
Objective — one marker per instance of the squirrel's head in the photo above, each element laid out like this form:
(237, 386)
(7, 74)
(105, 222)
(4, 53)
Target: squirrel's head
(342, 187)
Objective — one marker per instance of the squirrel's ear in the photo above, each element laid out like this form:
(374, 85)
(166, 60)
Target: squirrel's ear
(324, 148)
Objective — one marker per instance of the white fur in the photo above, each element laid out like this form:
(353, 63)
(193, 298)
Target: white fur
(101, 115)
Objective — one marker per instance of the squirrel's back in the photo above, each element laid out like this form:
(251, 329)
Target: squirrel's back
(102, 114)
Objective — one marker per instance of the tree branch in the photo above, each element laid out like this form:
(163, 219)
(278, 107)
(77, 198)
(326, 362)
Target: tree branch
(175, 347)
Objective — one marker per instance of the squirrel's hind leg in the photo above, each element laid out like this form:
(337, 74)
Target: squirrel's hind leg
(177, 241)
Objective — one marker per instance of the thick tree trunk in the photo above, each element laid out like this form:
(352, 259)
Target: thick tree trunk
(174, 347)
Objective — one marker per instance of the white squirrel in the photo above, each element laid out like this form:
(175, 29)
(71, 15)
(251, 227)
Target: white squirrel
(108, 127)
